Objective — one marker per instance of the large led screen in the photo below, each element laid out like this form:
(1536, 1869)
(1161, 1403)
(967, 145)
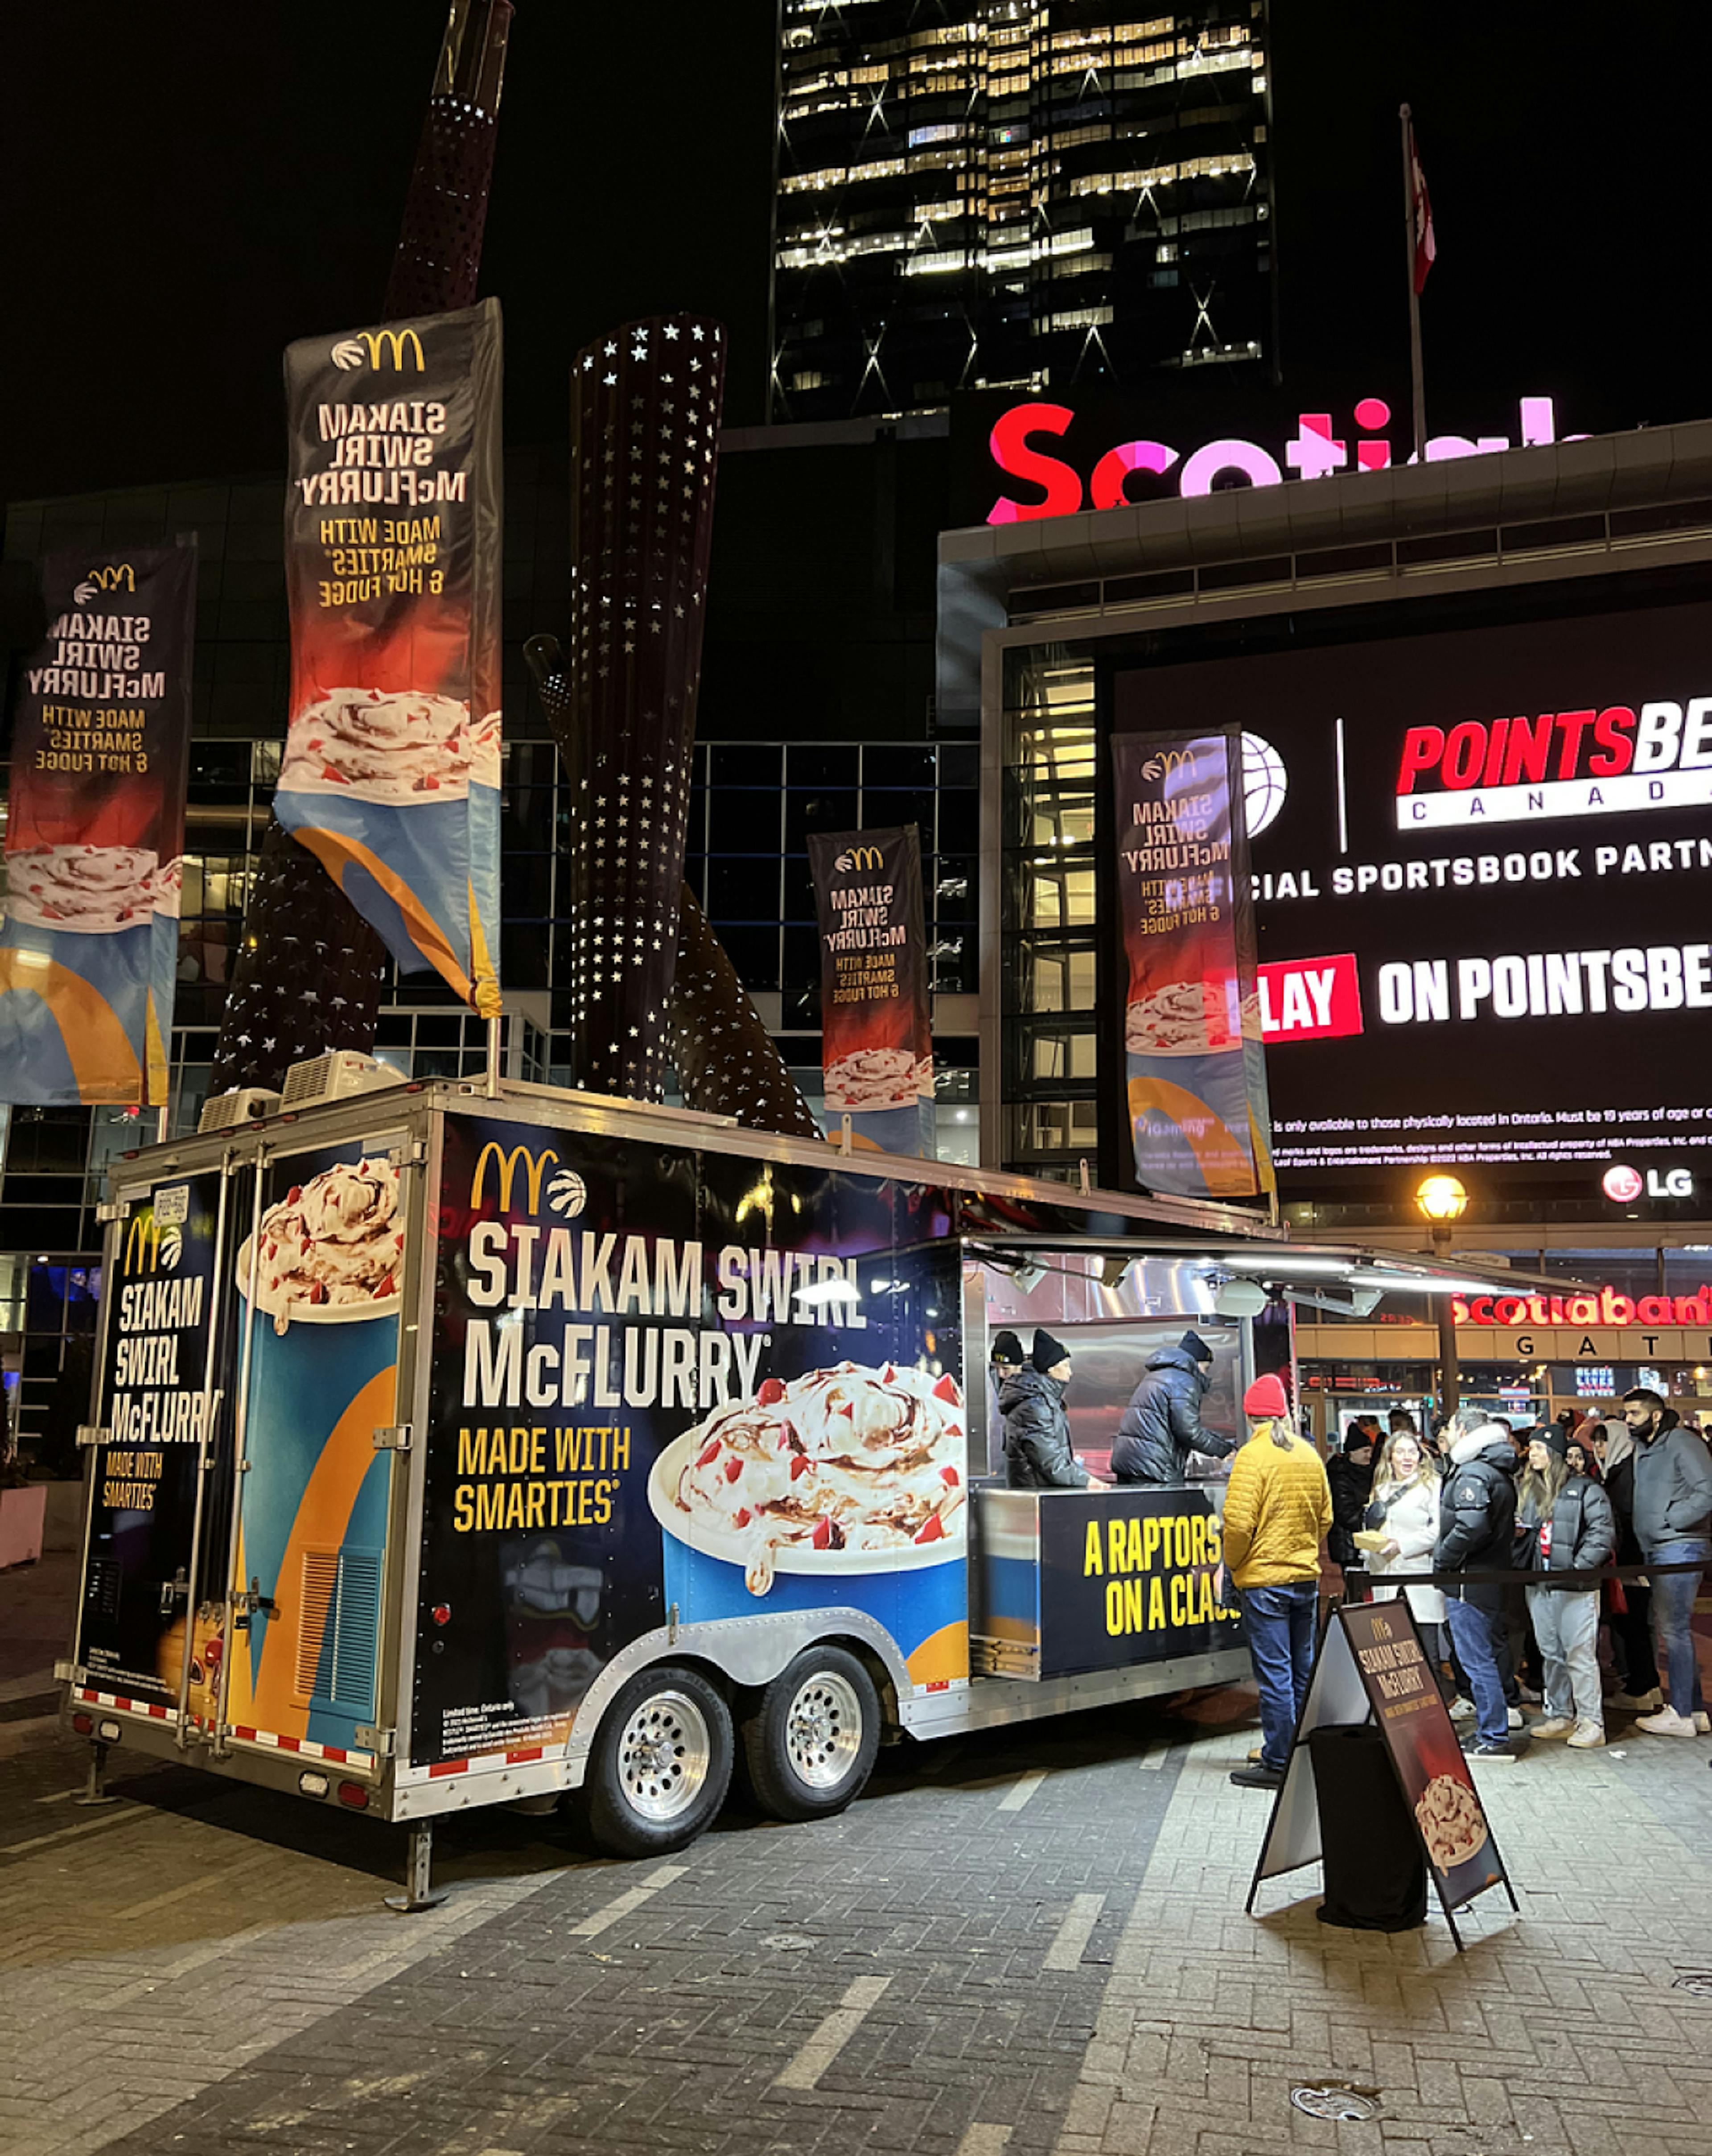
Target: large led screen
(1483, 870)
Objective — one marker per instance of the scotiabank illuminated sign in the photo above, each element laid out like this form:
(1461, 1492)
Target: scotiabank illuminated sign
(1608, 1307)
(1315, 452)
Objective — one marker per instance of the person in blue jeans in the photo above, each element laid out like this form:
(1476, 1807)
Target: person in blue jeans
(1673, 1518)
(1476, 1522)
(1276, 1512)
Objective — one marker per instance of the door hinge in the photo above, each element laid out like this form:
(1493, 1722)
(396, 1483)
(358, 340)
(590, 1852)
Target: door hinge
(380, 1742)
(411, 1154)
(393, 1437)
(113, 1208)
(64, 1672)
(93, 1433)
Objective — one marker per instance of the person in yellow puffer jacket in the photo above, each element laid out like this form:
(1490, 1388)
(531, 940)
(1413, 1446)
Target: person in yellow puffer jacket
(1276, 1512)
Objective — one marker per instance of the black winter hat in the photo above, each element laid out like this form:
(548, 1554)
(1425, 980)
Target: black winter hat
(1006, 1347)
(1553, 1436)
(1195, 1346)
(1049, 1352)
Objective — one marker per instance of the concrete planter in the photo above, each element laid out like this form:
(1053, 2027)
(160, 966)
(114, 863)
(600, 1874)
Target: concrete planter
(23, 1515)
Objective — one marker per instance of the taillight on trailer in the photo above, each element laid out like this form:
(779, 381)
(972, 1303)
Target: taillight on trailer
(83, 1724)
(442, 1613)
(312, 1785)
(108, 1732)
(354, 1795)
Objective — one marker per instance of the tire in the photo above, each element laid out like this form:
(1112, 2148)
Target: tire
(811, 1742)
(661, 1762)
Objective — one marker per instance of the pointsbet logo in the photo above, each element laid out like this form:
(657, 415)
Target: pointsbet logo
(1591, 762)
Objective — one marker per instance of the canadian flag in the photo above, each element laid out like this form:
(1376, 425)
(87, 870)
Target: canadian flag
(1426, 246)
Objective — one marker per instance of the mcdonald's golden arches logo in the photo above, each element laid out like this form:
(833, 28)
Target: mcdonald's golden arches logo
(858, 857)
(535, 1168)
(368, 345)
(149, 1246)
(111, 577)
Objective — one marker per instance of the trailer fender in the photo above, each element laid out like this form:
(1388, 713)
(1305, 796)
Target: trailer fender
(748, 1651)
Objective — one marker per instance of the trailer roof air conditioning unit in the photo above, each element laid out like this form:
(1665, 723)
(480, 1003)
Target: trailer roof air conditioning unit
(337, 1076)
(244, 1104)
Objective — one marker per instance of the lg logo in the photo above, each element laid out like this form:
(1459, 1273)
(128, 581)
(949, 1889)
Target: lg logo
(1623, 1184)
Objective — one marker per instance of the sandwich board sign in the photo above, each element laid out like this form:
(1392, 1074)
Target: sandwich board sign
(1370, 1664)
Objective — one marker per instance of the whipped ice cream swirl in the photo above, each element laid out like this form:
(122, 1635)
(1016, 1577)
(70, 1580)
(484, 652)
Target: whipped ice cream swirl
(98, 890)
(846, 1459)
(872, 1078)
(382, 745)
(335, 1240)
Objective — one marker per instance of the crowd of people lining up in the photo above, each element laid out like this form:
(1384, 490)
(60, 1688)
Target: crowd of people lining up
(1474, 1497)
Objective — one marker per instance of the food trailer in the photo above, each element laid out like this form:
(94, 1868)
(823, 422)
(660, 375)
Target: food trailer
(458, 1445)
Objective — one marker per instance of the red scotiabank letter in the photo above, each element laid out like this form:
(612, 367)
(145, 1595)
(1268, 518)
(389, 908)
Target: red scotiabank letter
(1010, 453)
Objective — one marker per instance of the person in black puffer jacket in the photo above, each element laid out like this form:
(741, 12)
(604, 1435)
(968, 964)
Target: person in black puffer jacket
(1161, 1425)
(1037, 1453)
(1350, 1475)
(1476, 1528)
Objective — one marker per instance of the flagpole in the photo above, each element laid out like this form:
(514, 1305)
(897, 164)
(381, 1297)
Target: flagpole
(1417, 385)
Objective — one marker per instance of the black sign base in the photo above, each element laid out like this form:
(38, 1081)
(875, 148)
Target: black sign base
(1371, 1667)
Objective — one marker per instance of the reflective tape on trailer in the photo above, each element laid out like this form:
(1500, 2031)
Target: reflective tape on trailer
(478, 1762)
(267, 1740)
(121, 1705)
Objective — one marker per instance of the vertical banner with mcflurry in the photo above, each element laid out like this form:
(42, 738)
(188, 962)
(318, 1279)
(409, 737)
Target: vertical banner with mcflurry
(94, 833)
(391, 775)
(876, 1015)
(1195, 1069)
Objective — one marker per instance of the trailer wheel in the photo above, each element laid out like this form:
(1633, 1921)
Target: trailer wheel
(810, 1743)
(661, 1762)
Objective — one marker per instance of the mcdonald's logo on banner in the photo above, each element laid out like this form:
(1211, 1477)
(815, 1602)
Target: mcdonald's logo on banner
(860, 857)
(351, 351)
(110, 578)
(150, 1243)
(536, 1169)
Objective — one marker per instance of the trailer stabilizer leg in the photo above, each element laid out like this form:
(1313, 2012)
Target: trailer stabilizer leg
(95, 1790)
(418, 1873)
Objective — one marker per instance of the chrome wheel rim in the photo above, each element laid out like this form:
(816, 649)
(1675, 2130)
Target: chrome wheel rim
(823, 1730)
(663, 1753)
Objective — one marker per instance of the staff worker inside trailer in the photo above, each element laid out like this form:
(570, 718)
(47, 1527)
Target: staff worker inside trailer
(1161, 1425)
(1037, 1450)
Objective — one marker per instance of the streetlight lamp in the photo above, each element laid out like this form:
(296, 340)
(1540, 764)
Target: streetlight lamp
(1441, 1200)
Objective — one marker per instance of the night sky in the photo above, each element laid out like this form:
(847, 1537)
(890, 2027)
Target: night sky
(190, 185)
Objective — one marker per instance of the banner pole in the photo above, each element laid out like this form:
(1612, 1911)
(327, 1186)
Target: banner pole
(493, 1057)
(1416, 382)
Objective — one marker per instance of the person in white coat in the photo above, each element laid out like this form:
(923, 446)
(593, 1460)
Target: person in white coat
(1401, 1533)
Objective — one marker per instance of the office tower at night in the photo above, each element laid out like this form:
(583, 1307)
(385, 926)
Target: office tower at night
(987, 194)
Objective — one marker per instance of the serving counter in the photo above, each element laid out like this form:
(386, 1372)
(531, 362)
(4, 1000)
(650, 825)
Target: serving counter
(1064, 1582)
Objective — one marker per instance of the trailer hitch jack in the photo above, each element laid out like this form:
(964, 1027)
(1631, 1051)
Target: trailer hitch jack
(95, 1790)
(418, 1873)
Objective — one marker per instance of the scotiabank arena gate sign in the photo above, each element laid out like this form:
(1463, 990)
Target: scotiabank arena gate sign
(1482, 869)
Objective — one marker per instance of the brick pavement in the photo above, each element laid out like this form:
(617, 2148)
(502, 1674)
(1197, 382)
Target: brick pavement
(1028, 1942)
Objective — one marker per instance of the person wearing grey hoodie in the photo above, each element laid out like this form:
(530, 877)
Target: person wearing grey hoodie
(1476, 1522)
(1672, 1521)
(1628, 1603)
